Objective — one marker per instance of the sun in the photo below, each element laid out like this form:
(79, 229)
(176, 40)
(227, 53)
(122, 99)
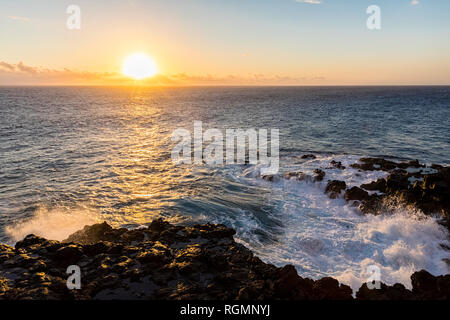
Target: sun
(139, 66)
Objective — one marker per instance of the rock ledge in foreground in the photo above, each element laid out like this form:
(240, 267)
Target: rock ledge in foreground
(165, 261)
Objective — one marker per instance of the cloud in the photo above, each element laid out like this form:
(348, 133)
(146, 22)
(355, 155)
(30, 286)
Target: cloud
(7, 67)
(18, 18)
(309, 1)
(18, 68)
(414, 2)
(23, 68)
(21, 74)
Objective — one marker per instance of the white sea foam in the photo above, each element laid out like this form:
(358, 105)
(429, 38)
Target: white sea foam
(54, 224)
(325, 237)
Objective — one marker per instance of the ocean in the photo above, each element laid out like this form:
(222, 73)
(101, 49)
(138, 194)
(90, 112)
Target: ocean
(72, 156)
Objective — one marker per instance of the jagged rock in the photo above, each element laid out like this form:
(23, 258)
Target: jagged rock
(270, 177)
(372, 204)
(92, 234)
(3, 286)
(97, 248)
(395, 292)
(427, 286)
(329, 289)
(424, 287)
(397, 181)
(356, 193)
(300, 176)
(410, 164)
(334, 188)
(164, 261)
(427, 189)
(379, 185)
(319, 174)
(371, 164)
(337, 164)
(30, 240)
(69, 255)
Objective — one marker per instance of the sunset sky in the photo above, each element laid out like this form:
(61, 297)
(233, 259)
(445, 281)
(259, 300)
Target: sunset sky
(212, 42)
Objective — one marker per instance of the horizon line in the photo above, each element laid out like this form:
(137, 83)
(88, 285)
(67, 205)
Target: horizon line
(222, 85)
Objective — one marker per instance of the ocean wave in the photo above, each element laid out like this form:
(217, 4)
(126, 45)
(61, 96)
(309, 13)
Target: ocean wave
(330, 237)
(52, 224)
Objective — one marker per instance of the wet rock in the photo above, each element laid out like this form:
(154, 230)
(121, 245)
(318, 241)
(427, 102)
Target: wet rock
(371, 164)
(356, 193)
(410, 164)
(308, 156)
(379, 185)
(298, 175)
(159, 225)
(92, 234)
(337, 164)
(397, 181)
(319, 174)
(430, 193)
(427, 189)
(271, 177)
(436, 166)
(372, 204)
(334, 188)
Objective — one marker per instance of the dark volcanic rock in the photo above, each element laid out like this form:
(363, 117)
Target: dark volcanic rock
(159, 262)
(308, 156)
(329, 289)
(395, 292)
(356, 193)
(370, 164)
(397, 181)
(410, 164)
(319, 174)
(409, 183)
(30, 240)
(298, 175)
(92, 234)
(165, 261)
(334, 188)
(435, 192)
(337, 165)
(68, 255)
(373, 204)
(427, 286)
(424, 287)
(270, 177)
(379, 185)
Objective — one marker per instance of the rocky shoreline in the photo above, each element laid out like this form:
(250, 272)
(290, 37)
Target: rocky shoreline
(163, 261)
(410, 184)
(203, 262)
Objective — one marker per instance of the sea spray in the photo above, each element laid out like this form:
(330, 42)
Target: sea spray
(53, 224)
(329, 237)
